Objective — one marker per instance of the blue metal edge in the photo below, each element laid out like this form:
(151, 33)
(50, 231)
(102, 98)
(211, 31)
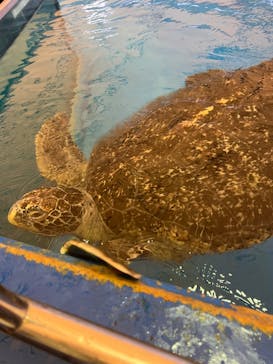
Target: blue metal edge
(197, 327)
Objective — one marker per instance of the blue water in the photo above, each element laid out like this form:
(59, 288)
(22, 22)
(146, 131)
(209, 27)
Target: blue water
(132, 52)
(103, 60)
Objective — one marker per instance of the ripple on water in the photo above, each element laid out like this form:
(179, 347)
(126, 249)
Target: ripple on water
(123, 54)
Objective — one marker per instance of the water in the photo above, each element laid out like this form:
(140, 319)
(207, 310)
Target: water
(101, 61)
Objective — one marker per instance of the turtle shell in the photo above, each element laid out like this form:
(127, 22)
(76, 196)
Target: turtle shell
(194, 166)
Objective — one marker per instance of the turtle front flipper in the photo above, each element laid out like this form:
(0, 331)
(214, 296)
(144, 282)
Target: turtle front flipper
(58, 157)
(87, 251)
(120, 252)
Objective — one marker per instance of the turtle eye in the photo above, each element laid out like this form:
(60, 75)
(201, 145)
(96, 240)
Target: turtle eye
(35, 212)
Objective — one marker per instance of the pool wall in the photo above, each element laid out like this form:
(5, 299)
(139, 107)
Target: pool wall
(14, 14)
(200, 328)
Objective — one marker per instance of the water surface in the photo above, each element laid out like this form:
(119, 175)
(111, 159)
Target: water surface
(101, 61)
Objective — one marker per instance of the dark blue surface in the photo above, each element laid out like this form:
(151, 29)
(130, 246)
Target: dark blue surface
(155, 320)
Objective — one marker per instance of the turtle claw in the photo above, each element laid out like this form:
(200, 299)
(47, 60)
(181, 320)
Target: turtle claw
(87, 251)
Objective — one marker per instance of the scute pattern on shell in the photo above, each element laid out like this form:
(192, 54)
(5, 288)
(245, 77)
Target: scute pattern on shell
(194, 167)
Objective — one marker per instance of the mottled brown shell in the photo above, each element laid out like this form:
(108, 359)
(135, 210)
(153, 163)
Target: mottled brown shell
(195, 167)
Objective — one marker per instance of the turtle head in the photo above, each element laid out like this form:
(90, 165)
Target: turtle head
(49, 211)
(57, 211)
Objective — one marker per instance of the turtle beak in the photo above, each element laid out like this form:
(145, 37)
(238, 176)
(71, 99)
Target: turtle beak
(12, 215)
(16, 218)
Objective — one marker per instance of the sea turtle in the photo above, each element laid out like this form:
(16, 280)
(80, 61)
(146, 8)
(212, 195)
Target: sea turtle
(191, 173)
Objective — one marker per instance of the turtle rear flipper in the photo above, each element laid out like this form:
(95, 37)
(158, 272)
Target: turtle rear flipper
(58, 157)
